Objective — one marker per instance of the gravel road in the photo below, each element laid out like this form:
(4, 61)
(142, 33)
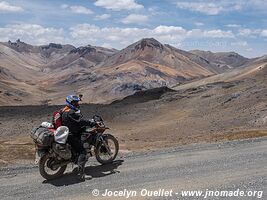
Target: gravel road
(227, 166)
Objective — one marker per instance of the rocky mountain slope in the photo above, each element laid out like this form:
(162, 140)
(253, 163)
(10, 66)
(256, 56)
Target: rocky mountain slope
(225, 106)
(45, 74)
(222, 61)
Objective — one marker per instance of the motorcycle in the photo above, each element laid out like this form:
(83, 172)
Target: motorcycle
(103, 146)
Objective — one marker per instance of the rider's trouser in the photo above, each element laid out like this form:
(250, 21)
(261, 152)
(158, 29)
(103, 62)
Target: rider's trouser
(77, 145)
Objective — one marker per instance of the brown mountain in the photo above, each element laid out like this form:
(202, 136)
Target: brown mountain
(151, 52)
(143, 65)
(85, 57)
(222, 61)
(37, 74)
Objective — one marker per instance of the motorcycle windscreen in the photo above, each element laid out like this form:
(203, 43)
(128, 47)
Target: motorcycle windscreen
(61, 134)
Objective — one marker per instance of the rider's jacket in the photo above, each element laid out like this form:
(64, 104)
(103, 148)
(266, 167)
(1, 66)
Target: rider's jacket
(74, 120)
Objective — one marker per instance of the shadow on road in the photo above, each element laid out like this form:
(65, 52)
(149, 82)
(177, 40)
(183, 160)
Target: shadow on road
(94, 171)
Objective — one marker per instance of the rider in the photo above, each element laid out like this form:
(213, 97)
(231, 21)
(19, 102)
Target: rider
(73, 119)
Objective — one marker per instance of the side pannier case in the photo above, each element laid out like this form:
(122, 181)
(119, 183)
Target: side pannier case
(42, 136)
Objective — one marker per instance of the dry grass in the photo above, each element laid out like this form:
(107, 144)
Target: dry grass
(22, 148)
(240, 135)
(15, 149)
(142, 145)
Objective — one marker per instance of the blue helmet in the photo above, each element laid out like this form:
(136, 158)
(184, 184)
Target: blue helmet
(73, 102)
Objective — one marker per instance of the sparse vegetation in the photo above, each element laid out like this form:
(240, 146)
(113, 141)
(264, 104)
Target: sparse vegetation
(22, 148)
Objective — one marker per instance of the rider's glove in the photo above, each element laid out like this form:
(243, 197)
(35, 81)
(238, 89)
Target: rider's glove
(92, 122)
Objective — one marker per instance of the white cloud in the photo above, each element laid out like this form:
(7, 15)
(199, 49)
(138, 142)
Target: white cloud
(209, 8)
(240, 43)
(77, 9)
(215, 7)
(169, 34)
(134, 19)
(252, 33)
(257, 4)
(80, 10)
(31, 33)
(118, 5)
(115, 37)
(199, 24)
(264, 33)
(233, 25)
(6, 7)
(107, 45)
(246, 32)
(102, 17)
(120, 37)
(155, 10)
(218, 34)
(169, 30)
(206, 8)
(210, 33)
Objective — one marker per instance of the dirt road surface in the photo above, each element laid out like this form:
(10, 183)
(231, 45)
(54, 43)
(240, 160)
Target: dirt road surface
(234, 165)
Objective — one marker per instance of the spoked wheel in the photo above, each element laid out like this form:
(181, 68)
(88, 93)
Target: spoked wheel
(107, 150)
(47, 170)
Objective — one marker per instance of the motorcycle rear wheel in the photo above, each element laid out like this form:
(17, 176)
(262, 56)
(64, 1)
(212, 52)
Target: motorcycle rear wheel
(43, 168)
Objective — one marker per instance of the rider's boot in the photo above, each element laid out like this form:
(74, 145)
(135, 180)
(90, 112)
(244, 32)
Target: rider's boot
(82, 175)
(81, 168)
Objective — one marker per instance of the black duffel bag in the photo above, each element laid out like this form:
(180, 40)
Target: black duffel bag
(43, 136)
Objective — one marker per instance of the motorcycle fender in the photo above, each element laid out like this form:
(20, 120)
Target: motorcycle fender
(38, 155)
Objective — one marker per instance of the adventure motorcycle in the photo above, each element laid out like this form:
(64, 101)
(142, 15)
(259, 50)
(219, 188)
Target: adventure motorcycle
(53, 161)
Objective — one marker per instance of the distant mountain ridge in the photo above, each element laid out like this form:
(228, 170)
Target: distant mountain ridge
(223, 60)
(37, 74)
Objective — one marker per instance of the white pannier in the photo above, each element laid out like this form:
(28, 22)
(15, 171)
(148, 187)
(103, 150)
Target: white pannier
(61, 134)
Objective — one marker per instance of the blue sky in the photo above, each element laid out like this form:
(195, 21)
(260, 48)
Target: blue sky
(214, 25)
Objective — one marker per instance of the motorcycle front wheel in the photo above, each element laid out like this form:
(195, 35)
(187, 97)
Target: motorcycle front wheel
(107, 149)
(46, 169)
